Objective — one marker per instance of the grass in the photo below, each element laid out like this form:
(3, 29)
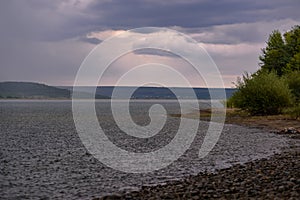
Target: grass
(235, 116)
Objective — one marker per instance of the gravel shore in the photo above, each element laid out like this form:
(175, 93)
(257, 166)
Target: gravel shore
(277, 177)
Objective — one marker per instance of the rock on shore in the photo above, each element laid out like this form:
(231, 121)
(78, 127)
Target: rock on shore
(277, 177)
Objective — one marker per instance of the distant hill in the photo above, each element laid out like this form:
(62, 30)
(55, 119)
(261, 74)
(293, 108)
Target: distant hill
(167, 93)
(29, 90)
(156, 92)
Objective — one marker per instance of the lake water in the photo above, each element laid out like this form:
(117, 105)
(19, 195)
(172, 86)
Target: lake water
(42, 155)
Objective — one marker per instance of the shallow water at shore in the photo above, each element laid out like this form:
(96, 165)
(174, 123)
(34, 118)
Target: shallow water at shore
(42, 155)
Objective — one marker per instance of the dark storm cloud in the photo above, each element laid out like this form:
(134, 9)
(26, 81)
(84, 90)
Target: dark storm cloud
(197, 16)
(136, 13)
(90, 40)
(46, 20)
(43, 20)
(155, 52)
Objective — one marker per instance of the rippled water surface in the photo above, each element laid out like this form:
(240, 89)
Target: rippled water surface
(42, 155)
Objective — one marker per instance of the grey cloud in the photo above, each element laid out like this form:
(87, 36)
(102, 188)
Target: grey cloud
(136, 13)
(28, 27)
(43, 20)
(155, 52)
(90, 40)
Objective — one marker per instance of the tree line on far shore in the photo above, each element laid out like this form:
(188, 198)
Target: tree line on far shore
(275, 87)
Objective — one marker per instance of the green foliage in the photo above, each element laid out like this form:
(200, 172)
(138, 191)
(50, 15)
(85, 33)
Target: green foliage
(276, 86)
(262, 94)
(293, 80)
(229, 103)
(294, 112)
(292, 40)
(274, 56)
(293, 65)
(282, 53)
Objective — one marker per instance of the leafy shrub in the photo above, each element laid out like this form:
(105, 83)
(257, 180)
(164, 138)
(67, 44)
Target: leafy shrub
(294, 112)
(293, 80)
(262, 94)
(229, 103)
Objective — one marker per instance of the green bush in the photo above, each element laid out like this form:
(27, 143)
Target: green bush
(294, 112)
(262, 94)
(293, 80)
(229, 103)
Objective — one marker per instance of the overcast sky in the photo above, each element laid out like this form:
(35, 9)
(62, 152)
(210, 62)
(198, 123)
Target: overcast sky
(47, 40)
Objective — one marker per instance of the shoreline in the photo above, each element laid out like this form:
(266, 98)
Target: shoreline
(275, 177)
(271, 123)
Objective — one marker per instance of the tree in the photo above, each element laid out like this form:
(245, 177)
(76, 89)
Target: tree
(282, 54)
(274, 56)
(294, 64)
(292, 41)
